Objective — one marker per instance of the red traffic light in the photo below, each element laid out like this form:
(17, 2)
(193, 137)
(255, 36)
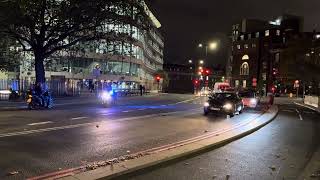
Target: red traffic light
(207, 71)
(158, 78)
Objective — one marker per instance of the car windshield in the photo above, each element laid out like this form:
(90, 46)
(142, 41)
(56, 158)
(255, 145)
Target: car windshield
(247, 94)
(224, 96)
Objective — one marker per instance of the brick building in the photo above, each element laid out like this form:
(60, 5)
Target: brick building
(265, 55)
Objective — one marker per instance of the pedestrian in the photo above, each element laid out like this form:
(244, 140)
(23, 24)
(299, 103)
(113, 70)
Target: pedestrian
(141, 90)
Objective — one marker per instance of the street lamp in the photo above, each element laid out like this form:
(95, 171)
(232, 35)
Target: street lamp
(201, 62)
(211, 46)
(190, 61)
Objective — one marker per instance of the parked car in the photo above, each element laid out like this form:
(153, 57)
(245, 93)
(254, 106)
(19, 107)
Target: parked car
(225, 102)
(249, 98)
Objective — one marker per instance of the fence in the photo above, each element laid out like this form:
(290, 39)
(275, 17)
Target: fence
(60, 88)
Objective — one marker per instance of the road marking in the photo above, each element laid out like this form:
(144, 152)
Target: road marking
(299, 104)
(188, 100)
(163, 105)
(126, 111)
(19, 133)
(106, 114)
(78, 118)
(299, 114)
(141, 109)
(308, 112)
(287, 110)
(40, 123)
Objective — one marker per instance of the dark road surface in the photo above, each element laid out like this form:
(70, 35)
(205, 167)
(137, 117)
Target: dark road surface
(38, 142)
(281, 150)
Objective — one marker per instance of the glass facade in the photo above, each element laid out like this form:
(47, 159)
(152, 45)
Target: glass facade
(138, 53)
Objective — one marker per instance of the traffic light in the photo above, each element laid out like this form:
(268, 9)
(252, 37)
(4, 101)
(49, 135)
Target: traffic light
(196, 82)
(158, 78)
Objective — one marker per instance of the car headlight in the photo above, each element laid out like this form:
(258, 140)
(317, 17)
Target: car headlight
(206, 104)
(253, 101)
(227, 106)
(106, 96)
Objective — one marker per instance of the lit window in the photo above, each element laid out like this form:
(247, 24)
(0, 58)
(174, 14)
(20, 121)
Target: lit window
(257, 34)
(238, 46)
(236, 82)
(318, 36)
(278, 32)
(254, 45)
(244, 69)
(244, 83)
(246, 46)
(267, 33)
(242, 37)
(245, 57)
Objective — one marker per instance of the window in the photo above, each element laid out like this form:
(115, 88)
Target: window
(245, 57)
(253, 45)
(267, 33)
(239, 46)
(244, 69)
(277, 58)
(246, 46)
(249, 36)
(236, 83)
(244, 83)
(257, 34)
(278, 32)
(242, 37)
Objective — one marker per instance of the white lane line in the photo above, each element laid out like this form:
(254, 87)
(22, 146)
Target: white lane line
(106, 114)
(163, 105)
(308, 112)
(78, 118)
(299, 114)
(142, 109)
(287, 110)
(126, 111)
(19, 133)
(188, 100)
(40, 123)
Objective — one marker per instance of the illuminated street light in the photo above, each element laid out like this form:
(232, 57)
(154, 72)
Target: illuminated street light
(200, 45)
(200, 68)
(190, 61)
(201, 62)
(213, 46)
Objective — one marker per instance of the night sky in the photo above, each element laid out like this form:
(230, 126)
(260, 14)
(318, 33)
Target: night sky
(185, 23)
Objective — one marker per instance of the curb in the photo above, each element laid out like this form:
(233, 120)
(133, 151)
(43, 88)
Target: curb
(308, 106)
(154, 159)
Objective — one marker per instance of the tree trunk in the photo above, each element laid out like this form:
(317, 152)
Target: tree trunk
(39, 67)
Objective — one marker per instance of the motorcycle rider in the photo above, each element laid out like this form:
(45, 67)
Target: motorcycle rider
(39, 93)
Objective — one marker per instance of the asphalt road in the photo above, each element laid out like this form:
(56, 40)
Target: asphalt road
(38, 142)
(284, 149)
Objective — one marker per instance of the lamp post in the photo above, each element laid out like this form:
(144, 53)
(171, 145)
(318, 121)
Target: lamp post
(210, 46)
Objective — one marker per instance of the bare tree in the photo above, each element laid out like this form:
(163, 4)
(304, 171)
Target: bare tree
(45, 27)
